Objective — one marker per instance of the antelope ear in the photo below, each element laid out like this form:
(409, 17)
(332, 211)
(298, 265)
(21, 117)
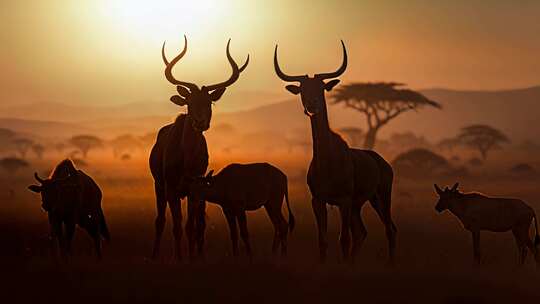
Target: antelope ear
(216, 94)
(34, 188)
(293, 89)
(178, 100)
(454, 188)
(331, 84)
(183, 91)
(437, 189)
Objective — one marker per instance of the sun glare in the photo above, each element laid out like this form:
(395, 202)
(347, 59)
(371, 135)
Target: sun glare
(158, 19)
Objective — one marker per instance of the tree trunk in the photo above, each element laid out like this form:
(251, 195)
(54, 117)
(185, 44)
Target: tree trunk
(371, 135)
(484, 153)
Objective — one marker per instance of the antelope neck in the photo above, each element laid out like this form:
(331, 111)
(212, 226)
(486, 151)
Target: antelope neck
(321, 133)
(189, 137)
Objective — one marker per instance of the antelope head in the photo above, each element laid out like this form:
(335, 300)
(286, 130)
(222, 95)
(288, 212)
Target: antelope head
(446, 196)
(311, 89)
(199, 100)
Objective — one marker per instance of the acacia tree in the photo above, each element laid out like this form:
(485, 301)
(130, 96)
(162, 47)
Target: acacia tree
(482, 138)
(449, 143)
(85, 143)
(60, 146)
(13, 164)
(22, 145)
(380, 102)
(39, 150)
(6, 139)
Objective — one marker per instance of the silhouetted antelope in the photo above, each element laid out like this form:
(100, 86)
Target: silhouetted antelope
(70, 197)
(339, 175)
(478, 212)
(244, 187)
(180, 151)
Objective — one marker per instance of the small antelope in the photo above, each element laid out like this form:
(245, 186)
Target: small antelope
(245, 187)
(478, 212)
(71, 197)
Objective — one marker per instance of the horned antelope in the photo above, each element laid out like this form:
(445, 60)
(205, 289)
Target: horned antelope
(245, 187)
(339, 175)
(478, 212)
(180, 152)
(70, 198)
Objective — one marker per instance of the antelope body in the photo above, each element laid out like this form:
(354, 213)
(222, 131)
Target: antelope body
(70, 198)
(478, 212)
(245, 187)
(181, 153)
(337, 174)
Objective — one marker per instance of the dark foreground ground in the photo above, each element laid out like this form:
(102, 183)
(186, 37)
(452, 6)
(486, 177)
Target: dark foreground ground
(434, 263)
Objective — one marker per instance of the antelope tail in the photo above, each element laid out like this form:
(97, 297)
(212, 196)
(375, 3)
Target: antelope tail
(291, 215)
(537, 237)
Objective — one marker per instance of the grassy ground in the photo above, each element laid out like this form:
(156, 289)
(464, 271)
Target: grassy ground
(434, 258)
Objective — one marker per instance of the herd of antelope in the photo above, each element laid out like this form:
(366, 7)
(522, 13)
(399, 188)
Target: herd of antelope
(338, 175)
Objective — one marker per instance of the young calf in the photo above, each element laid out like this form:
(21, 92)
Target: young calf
(244, 187)
(478, 212)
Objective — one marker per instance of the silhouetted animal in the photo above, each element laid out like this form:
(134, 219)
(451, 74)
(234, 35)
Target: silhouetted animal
(339, 175)
(478, 212)
(71, 198)
(244, 187)
(180, 151)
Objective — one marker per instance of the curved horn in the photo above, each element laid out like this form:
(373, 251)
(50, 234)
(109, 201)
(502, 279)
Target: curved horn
(235, 72)
(454, 187)
(39, 179)
(170, 65)
(280, 73)
(339, 71)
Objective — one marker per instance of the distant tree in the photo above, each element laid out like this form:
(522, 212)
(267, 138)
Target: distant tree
(420, 162)
(13, 164)
(449, 143)
(407, 140)
(124, 143)
(380, 103)
(60, 147)
(38, 149)
(6, 139)
(482, 138)
(523, 169)
(353, 135)
(85, 143)
(22, 145)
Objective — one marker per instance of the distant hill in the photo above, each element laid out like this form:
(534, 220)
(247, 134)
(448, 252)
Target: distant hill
(513, 111)
(44, 128)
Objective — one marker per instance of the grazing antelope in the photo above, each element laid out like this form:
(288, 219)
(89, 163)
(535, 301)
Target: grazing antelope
(245, 187)
(478, 212)
(339, 175)
(180, 152)
(70, 198)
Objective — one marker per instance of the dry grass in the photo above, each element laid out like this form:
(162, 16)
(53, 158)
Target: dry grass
(434, 251)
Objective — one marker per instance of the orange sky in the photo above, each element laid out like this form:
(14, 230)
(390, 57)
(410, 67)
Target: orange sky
(107, 52)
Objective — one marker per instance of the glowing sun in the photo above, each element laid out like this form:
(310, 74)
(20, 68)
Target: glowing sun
(161, 18)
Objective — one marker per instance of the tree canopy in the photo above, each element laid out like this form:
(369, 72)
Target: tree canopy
(482, 138)
(380, 102)
(85, 143)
